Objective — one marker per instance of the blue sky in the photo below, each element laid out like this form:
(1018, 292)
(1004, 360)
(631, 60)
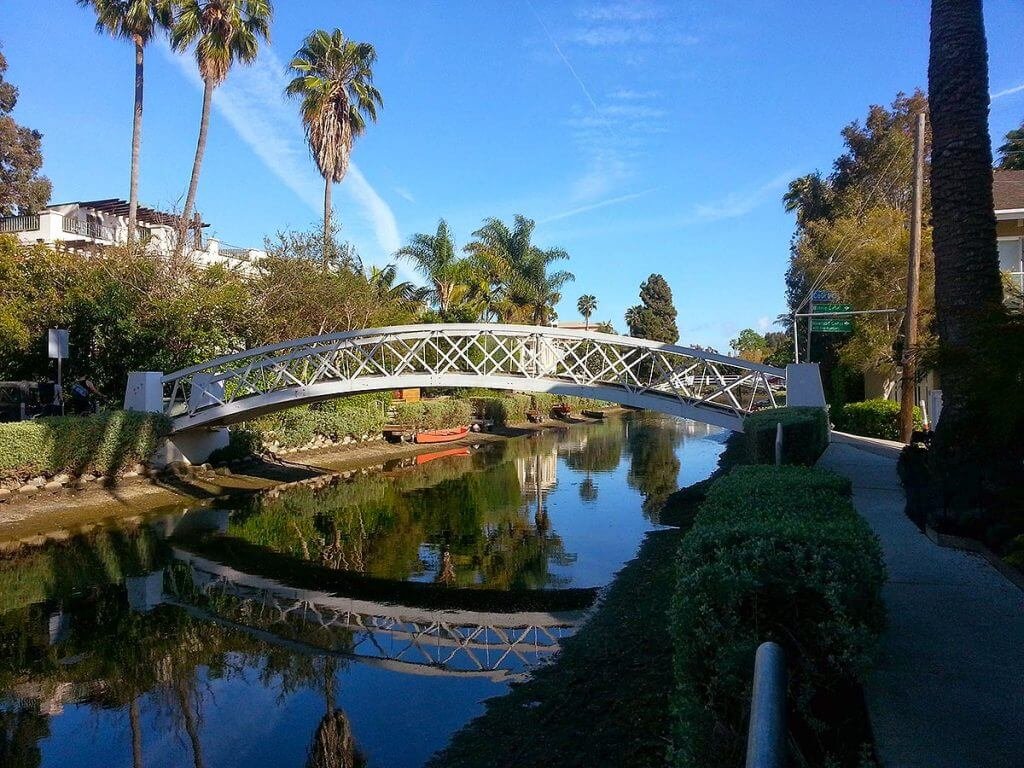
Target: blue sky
(642, 136)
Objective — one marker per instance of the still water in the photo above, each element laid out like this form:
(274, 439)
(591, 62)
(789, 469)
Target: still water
(361, 622)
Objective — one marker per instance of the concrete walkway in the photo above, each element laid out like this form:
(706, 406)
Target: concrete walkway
(949, 688)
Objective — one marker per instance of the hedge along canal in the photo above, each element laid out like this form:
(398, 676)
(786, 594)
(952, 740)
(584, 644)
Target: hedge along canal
(169, 624)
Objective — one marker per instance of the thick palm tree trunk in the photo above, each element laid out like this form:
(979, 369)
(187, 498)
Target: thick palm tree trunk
(327, 220)
(968, 291)
(197, 164)
(133, 190)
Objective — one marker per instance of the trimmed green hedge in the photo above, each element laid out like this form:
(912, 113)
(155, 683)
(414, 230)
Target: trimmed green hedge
(774, 554)
(511, 408)
(874, 418)
(105, 442)
(444, 413)
(805, 435)
(355, 415)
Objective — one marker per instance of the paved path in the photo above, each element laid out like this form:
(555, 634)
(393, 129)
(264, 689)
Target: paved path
(949, 688)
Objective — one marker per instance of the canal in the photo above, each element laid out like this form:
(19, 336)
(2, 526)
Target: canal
(363, 621)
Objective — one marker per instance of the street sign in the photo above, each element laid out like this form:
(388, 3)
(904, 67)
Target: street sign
(57, 344)
(841, 324)
(821, 296)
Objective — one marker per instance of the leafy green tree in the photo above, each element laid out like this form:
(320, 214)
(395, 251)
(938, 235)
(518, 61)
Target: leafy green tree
(968, 291)
(586, 306)
(22, 189)
(137, 21)
(334, 80)
(433, 256)
(750, 345)
(222, 33)
(519, 272)
(852, 238)
(1011, 153)
(655, 317)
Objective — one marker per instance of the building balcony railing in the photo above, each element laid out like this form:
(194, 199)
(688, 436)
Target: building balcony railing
(88, 229)
(19, 223)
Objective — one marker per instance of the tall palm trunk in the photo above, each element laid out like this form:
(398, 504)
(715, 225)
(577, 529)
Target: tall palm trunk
(197, 164)
(327, 220)
(968, 291)
(133, 189)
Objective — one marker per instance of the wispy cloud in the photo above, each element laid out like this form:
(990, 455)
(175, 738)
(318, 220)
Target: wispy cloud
(595, 206)
(253, 103)
(1007, 92)
(627, 24)
(405, 194)
(612, 139)
(742, 201)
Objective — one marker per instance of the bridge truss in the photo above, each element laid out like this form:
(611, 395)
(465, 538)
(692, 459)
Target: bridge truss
(680, 381)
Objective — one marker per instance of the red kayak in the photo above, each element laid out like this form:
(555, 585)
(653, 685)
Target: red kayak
(441, 435)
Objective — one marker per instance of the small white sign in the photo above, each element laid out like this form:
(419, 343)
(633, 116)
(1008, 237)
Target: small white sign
(58, 344)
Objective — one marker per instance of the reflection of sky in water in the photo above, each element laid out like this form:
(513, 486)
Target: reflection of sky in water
(399, 713)
(396, 718)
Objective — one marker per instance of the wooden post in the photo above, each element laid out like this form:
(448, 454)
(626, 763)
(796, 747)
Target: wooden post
(913, 288)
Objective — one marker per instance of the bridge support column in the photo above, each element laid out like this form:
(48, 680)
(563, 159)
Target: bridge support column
(803, 386)
(191, 447)
(145, 392)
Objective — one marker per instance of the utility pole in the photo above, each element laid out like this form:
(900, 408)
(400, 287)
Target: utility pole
(909, 361)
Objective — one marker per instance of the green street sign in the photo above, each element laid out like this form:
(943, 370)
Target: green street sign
(831, 324)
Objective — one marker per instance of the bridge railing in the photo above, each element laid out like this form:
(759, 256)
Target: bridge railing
(505, 356)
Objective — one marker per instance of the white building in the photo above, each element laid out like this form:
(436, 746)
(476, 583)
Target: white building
(89, 225)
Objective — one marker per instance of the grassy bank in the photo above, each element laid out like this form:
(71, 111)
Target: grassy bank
(606, 699)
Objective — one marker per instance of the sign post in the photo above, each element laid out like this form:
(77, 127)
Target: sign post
(57, 343)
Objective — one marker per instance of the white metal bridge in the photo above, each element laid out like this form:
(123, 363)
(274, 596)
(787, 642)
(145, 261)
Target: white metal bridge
(679, 381)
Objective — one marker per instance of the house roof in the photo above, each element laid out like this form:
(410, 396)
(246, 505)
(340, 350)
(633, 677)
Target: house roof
(117, 207)
(1008, 190)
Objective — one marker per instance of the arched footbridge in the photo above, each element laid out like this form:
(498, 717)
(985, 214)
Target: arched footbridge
(678, 381)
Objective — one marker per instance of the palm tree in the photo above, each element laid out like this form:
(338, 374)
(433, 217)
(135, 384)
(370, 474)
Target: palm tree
(382, 282)
(1011, 153)
(138, 21)
(223, 32)
(433, 256)
(519, 269)
(586, 305)
(334, 79)
(968, 292)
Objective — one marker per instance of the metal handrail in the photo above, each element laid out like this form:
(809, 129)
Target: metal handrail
(766, 736)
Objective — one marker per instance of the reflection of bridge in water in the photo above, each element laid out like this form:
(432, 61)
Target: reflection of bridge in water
(496, 645)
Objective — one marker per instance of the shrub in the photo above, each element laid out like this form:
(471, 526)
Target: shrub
(774, 554)
(355, 415)
(105, 442)
(434, 414)
(805, 435)
(874, 418)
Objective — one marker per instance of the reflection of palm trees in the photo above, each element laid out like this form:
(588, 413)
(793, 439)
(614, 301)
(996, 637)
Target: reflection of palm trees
(133, 720)
(588, 489)
(333, 744)
(185, 693)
